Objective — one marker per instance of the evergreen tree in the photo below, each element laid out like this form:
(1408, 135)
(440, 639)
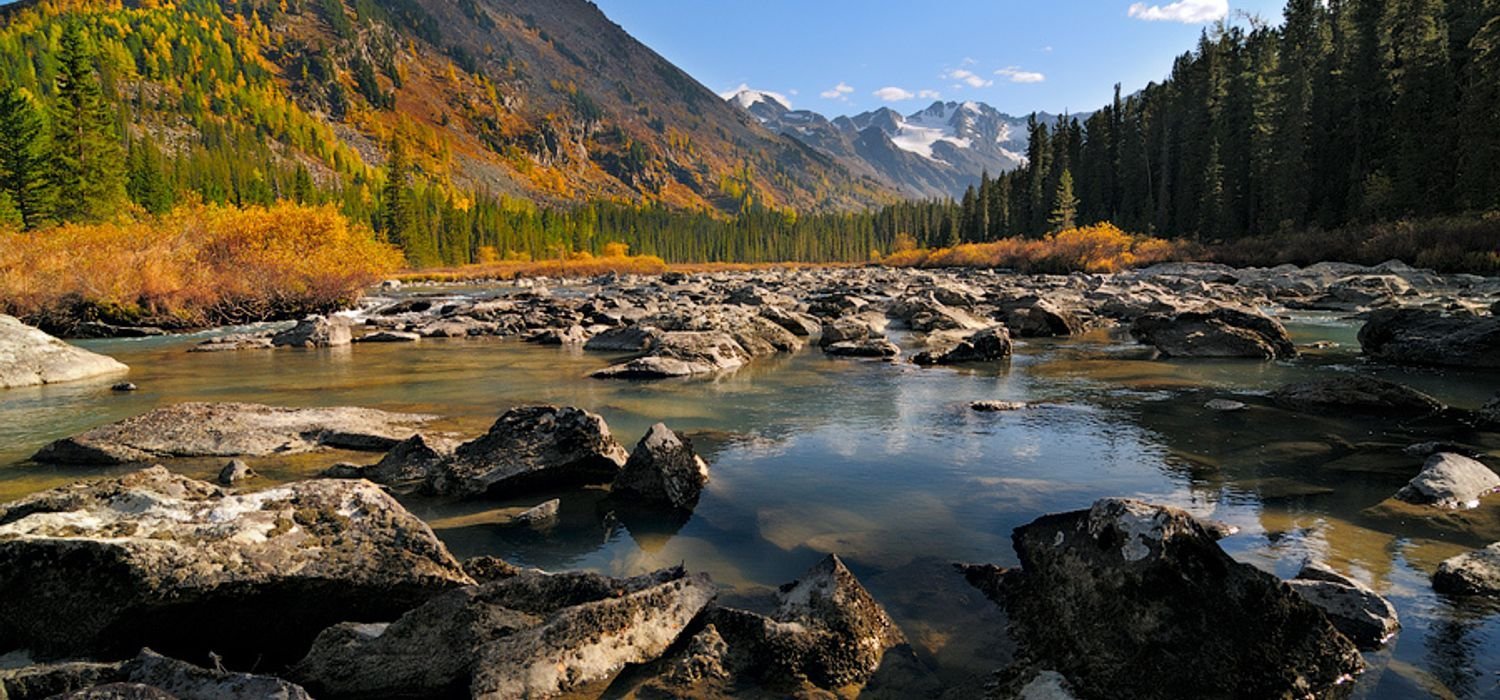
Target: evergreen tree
(88, 161)
(146, 182)
(23, 160)
(1065, 214)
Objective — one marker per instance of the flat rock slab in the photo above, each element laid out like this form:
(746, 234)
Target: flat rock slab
(29, 357)
(1450, 481)
(232, 430)
(106, 567)
(1419, 337)
(531, 446)
(1473, 573)
(1356, 394)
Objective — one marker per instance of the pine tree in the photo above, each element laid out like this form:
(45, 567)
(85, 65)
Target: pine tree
(87, 162)
(146, 182)
(23, 160)
(1065, 213)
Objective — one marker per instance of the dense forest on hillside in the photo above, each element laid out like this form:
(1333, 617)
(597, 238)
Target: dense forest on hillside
(1350, 114)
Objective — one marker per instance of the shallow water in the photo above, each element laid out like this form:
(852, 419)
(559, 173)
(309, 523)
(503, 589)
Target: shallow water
(885, 465)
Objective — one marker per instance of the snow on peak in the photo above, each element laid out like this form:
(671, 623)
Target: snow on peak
(747, 97)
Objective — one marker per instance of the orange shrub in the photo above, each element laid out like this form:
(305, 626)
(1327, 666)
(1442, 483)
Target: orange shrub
(195, 266)
(1098, 248)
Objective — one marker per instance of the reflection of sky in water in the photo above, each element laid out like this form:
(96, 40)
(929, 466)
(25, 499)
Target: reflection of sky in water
(884, 464)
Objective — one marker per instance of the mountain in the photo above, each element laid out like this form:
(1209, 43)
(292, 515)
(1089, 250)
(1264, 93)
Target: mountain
(545, 100)
(935, 152)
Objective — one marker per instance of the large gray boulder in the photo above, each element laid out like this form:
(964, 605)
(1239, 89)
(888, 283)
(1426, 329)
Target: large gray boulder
(925, 314)
(1360, 613)
(682, 354)
(29, 357)
(1471, 573)
(624, 339)
(1357, 395)
(315, 332)
(104, 568)
(663, 469)
(532, 446)
(1421, 337)
(1042, 318)
(530, 635)
(1218, 332)
(1129, 599)
(1450, 481)
(987, 345)
(232, 430)
(149, 674)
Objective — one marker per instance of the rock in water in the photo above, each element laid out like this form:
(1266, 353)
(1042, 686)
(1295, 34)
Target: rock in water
(826, 632)
(682, 354)
(528, 635)
(1360, 613)
(1219, 332)
(871, 347)
(231, 430)
(1128, 599)
(412, 460)
(315, 332)
(29, 357)
(1472, 573)
(1421, 337)
(540, 514)
(389, 337)
(663, 468)
(1356, 394)
(145, 559)
(987, 345)
(1450, 481)
(531, 446)
(235, 472)
(148, 675)
(1043, 319)
(1489, 413)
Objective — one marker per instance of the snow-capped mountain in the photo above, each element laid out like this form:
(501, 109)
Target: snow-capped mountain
(938, 151)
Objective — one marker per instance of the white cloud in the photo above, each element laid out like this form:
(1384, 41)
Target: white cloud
(1016, 75)
(837, 92)
(930, 94)
(893, 94)
(1185, 11)
(969, 61)
(967, 78)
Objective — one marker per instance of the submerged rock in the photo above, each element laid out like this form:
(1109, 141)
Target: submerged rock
(315, 332)
(1420, 337)
(1450, 481)
(1365, 617)
(1225, 405)
(987, 345)
(1356, 394)
(237, 341)
(528, 635)
(997, 406)
(531, 446)
(231, 430)
(235, 472)
(107, 567)
(389, 337)
(1219, 332)
(29, 357)
(1128, 599)
(664, 469)
(1471, 573)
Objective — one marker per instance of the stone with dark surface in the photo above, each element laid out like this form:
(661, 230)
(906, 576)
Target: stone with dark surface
(29, 357)
(148, 675)
(871, 347)
(528, 635)
(539, 514)
(235, 342)
(987, 345)
(1218, 332)
(1360, 613)
(624, 339)
(682, 354)
(389, 337)
(231, 430)
(1421, 337)
(315, 332)
(1471, 573)
(107, 567)
(409, 461)
(1489, 413)
(1358, 395)
(664, 469)
(235, 472)
(1128, 599)
(1042, 319)
(531, 446)
(1450, 481)
(843, 330)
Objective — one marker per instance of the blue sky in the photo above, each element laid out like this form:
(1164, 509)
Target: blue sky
(847, 56)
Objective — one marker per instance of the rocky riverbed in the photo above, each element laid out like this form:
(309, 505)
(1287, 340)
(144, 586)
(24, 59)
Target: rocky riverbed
(1262, 483)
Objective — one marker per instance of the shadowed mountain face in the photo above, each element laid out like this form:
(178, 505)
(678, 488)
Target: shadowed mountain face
(936, 152)
(543, 99)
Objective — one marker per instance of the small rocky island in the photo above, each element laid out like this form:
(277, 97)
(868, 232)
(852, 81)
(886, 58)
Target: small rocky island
(141, 582)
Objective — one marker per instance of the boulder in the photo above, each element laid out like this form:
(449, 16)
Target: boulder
(1218, 332)
(1450, 481)
(185, 681)
(1356, 394)
(872, 347)
(761, 337)
(987, 345)
(1042, 319)
(539, 514)
(528, 447)
(231, 430)
(1420, 337)
(826, 632)
(682, 354)
(1489, 413)
(389, 337)
(843, 330)
(798, 324)
(663, 469)
(1360, 613)
(104, 568)
(235, 472)
(409, 461)
(570, 335)
(925, 314)
(1225, 405)
(29, 357)
(37, 681)
(234, 342)
(314, 332)
(1471, 573)
(528, 635)
(624, 339)
(1129, 599)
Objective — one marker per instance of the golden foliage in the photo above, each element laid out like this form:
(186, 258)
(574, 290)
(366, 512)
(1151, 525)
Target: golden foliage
(195, 266)
(1098, 248)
